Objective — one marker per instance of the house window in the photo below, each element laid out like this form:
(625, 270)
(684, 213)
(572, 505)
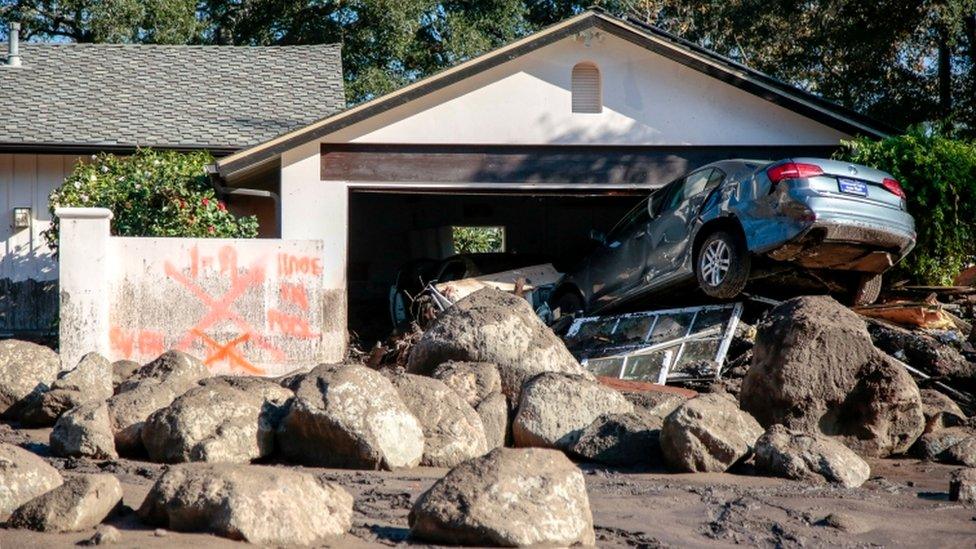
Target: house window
(587, 92)
(478, 239)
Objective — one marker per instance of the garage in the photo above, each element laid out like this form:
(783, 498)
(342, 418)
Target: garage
(541, 141)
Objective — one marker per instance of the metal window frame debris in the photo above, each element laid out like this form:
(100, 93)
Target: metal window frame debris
(626, 353)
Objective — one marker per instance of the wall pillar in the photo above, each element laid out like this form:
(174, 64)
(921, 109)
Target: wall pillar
(84, 270)
(319, 210)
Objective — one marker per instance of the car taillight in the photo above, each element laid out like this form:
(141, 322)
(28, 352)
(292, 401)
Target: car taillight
(893, 187)
(793, 170)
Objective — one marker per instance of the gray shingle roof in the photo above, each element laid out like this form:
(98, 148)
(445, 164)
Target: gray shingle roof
(165, 96)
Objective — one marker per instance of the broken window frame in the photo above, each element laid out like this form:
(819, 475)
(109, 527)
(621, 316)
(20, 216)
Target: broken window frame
(626, 353)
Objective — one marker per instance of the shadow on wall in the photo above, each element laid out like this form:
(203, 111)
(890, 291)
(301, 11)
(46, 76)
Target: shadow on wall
(28, 306)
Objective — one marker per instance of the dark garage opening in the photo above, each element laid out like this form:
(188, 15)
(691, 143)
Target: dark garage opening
(388, 229)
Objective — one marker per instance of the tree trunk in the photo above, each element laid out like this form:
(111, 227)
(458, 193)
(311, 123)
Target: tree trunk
(945, 78)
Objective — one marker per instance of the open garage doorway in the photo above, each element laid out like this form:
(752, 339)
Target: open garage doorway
(391, 230)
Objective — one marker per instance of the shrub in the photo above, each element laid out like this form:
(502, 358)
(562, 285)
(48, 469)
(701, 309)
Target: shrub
(939, 177)
(150, 193)
(468, 240)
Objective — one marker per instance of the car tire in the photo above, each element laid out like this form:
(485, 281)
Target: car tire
(867, 290)
(722, 265)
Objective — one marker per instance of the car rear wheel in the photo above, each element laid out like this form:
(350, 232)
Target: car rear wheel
(867, 290)
(722, 265)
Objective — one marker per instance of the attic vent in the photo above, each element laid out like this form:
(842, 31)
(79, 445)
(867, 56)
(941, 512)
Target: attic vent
(587, 96)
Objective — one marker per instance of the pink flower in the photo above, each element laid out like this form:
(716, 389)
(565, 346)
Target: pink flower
(211, 229)
(205, 202)
(221, 207)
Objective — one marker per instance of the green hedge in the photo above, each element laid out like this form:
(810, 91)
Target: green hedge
(151, 193)
(939, 177)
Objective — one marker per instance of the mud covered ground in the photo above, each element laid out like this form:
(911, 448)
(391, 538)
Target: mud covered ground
(904, 504)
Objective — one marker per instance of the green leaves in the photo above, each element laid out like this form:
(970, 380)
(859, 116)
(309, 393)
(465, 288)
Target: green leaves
(151, 193)
(939, 177)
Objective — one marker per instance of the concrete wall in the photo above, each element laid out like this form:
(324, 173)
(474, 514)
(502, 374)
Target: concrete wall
(28, 270)
(242, 306)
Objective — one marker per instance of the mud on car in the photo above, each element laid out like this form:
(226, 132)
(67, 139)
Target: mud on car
(844, 224)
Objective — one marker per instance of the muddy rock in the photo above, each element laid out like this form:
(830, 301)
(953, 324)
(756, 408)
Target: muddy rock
(509, 497)
(85, 431)
(555, 409)
(347, 415)
(815, 369)
(474, 381)
(90, 380)
(25, 368)
(82, 502)
(104, 535)
(962, 453)
(621, 440)
(261, 505)
(810, 457)
(934, 445)
(453, 431)
(493, 411)
(653, 403)
(221, 421)
(940, 411)
(962, 486)
(23, 477)
(845, 522)
(150, 388)
(708, 433)
(123, 370)
(494, 326)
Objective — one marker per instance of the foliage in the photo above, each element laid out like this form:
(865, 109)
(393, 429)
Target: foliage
(151, 193)
(471, 240)
(939, 177)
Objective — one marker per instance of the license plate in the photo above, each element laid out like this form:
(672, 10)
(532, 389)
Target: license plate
(852, 186)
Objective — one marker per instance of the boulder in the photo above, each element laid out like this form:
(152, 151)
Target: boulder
(962, 453)
(940, 411)
(555, 409)
(962, 486)
(815, 369)
(621, 440)
(25, 368)
(261, 505)
(150, 388)
(497, 327)
(453, 431)
(82, 502)
(220, 421)
(347, 415)
(708, 433)
(23, 477)
(508, 497)
(474, 381)
(655, 403)
(805, 456)
(90, 380)
(85, 431)
(493, 411)
(104, 535)
(934, 445)
(123, 370)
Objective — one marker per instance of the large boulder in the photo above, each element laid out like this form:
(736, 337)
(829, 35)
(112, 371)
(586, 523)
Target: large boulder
(809, 457)
(509, 497)
(497, 327)
(85, 431)
(260, 505)
(152, 387)
(621, 440)
(480, 385)
(347, 415)
(453, 431)
(122, 370)
(82, 502)
(23, 477)
(25, 368)
(940, 411)
(555, 409)
(90, 380)
(815, 369)
(962, 453)
(494, 414)
(933, 446)
(708, 433)
(221, 421)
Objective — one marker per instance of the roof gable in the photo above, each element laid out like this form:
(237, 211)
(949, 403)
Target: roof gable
(184, 97)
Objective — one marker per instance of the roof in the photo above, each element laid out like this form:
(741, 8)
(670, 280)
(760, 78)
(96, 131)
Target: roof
(112, 96)
(649, 37)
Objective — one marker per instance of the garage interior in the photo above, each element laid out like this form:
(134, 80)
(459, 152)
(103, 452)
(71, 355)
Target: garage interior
(388, 229)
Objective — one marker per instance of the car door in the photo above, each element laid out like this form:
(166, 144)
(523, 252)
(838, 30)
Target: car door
(619, 262)
(670, 229)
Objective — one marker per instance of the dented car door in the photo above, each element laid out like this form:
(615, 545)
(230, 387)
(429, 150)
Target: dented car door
(670, 230)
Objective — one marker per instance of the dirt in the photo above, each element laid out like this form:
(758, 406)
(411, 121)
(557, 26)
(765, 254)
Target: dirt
(905, 503)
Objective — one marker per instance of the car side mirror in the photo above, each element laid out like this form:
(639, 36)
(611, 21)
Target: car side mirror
(598, 236)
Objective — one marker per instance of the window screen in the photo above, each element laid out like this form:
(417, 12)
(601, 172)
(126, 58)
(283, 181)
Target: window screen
(587, 93)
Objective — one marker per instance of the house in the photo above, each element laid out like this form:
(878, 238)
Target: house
(64, 102)
(542, 139)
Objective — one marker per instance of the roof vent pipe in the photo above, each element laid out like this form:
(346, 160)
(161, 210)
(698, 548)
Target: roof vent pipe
(13, 45)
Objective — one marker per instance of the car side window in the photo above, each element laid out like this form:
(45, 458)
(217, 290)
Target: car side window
(698, 183)
(637, 215)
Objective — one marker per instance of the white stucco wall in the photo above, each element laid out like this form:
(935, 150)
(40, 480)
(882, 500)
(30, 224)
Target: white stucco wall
(648, 100)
